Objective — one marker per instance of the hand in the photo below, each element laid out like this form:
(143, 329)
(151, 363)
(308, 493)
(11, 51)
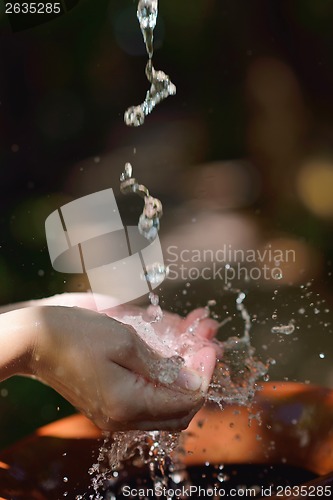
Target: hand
(102, 366)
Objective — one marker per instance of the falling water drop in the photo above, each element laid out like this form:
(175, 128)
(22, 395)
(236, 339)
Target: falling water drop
(147, 17)
(161, 85)
(156, 273)
(154, 299)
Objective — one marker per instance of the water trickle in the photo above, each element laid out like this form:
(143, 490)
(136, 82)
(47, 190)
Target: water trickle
(237, 370)
(161, 85)
(149, 221)
(154, 311)
(244, 313)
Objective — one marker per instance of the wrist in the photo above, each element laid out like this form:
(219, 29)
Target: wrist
(18, 338)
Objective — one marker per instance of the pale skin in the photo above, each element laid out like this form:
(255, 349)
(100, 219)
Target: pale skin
(101, 365)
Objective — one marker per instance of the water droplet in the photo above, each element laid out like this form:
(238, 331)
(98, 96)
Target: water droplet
(65, 479)
(284, 329)
(154, 299)
(322, 355)
(134, 116)
(147, 14)
(211, 303)
(155, 312)
(167, 370)
(240, 298)
(156, 273)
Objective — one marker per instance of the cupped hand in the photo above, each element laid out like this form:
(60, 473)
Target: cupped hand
(104, 368)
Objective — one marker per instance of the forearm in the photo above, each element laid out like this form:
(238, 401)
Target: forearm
(18, 331)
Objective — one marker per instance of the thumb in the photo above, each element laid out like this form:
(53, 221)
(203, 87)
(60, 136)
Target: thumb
(136, 355)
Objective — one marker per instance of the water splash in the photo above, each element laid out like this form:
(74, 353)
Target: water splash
(236, 375)
(99, 471)
(161, 85)
(235, 381)
(237, 372)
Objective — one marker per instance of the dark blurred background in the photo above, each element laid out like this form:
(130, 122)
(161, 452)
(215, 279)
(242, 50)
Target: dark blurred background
(242, 156)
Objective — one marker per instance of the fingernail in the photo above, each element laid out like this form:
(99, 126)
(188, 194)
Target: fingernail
(189, 379)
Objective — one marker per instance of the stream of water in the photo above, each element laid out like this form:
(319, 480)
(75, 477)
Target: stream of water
(237, 371)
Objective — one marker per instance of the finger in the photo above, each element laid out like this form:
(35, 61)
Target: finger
(193, 318)
(198, 322)
(204, 362)
(207, 329)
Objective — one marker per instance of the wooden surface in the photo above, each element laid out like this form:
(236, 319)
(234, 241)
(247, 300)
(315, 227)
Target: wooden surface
(292, 423)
